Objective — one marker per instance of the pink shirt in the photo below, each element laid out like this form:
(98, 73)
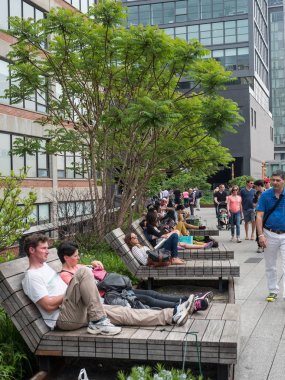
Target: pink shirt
(234, 203)
(185, 194)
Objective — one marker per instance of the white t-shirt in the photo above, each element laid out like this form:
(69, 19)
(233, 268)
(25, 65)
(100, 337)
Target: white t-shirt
(42, 282)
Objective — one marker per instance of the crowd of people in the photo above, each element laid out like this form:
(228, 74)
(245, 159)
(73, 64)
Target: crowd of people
(240, 205)
(261, 204)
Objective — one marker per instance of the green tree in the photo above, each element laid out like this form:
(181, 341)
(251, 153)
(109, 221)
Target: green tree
(15, 210)
(240, 181)
(119, 93)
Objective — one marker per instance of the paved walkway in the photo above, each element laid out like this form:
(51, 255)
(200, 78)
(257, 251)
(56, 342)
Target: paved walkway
(262, 324)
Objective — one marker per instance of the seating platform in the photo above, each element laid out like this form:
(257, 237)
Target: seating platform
(220, 253)
(192, 269)
(216, 330)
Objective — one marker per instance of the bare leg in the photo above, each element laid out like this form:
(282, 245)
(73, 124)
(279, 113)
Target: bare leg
(246, 230)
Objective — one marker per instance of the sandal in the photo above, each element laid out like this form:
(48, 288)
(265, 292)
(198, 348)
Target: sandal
(177, 261)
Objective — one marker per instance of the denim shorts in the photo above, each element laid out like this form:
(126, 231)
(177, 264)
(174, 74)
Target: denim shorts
(249, 215)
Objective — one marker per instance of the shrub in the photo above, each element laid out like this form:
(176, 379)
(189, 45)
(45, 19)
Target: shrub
(16, 360)
(146, 373)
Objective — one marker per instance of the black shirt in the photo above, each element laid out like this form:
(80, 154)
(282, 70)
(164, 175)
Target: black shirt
(221, 197)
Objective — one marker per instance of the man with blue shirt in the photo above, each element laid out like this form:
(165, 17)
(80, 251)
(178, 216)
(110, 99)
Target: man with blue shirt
(271, 231)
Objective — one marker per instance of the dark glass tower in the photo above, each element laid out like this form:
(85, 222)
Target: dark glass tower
(236, 33)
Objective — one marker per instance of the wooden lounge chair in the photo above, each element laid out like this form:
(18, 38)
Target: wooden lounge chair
(192, 268)
(220, 253)
(216, 330)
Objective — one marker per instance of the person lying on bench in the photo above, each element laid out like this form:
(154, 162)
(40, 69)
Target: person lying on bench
(69, 256)
(69, 307)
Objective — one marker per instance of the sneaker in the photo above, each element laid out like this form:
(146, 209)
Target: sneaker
(201, 304)
(208, 245)
(271, 297)
(260, 250)
(232, 239)
(203, 295)
(238, 240)
(183, 310)
(103, 327)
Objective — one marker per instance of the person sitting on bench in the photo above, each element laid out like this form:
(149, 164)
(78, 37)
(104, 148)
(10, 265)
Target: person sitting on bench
(69, 307)
(69, 256)
(140, 252)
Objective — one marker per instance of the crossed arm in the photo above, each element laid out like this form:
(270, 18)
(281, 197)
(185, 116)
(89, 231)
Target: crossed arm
(50, 304)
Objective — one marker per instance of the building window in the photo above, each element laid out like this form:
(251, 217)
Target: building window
(272, 134)
(156, 14)
(230, 32)
(82, 5)
(36, 165)
(70, 165)
(230, 59)
(181, 11)
(243, 58)
(73, 209)
(254, 119)
(41, 214)
(218, 8)
(37, 102)
(168, 12)
(217, 33)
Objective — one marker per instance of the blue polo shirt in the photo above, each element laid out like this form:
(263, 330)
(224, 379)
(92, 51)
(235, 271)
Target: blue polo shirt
(267, 200)
(247, 198)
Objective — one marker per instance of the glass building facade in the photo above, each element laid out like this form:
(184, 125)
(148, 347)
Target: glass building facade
(236, 34)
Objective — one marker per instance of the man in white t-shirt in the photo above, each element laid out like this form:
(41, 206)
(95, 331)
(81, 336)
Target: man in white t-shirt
(79, 304)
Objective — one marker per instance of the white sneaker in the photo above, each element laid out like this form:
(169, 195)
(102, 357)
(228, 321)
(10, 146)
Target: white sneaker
(260, 250)
(238, 240)
(103, 327)
(233, 239)
(183, 310)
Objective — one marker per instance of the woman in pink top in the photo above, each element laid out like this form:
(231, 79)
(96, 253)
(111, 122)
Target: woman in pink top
(234, 206)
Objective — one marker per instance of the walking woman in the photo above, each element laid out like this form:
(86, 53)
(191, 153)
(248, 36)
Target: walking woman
(235, 212)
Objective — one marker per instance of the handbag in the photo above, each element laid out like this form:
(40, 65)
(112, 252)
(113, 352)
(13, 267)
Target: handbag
(159, 257)
(114, 281)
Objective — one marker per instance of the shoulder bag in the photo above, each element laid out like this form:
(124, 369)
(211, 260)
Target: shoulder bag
(271, 210)
(159, 257)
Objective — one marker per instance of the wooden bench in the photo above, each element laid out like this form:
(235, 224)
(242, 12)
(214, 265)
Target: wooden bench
(216, 330)
(192, 268)
(220, 253)
(135, 226)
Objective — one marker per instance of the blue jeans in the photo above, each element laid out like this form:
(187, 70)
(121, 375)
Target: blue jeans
(155, 299)
(171, 244)
(235, 221)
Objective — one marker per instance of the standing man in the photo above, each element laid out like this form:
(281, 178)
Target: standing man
(247, 194)
(270, 222)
